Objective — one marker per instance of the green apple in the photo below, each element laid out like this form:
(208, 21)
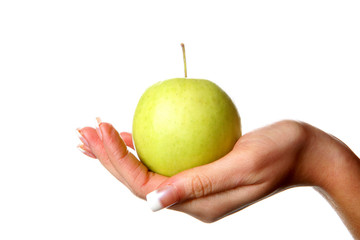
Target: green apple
(182, 123)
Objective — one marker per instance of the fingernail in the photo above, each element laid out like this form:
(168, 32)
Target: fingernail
(82, 138)
(162, 198)
(86, 151)
(98, 130)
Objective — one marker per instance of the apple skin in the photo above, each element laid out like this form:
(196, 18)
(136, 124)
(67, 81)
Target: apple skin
(182, 123)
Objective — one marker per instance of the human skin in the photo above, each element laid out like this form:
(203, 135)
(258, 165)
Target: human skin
(268, 160)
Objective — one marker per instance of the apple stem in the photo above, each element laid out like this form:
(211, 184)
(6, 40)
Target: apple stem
(183, 49)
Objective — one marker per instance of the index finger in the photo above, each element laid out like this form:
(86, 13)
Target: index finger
(141, 181)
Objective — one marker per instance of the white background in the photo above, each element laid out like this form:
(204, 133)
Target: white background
(63, 63)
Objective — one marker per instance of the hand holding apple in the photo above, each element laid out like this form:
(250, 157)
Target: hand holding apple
(262, 162)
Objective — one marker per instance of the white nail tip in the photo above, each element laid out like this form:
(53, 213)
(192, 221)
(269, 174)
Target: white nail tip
(98, 121)
(78, 133)
(153, 200)
(80, 148)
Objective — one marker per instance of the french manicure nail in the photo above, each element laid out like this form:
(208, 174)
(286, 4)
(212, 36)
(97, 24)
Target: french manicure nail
(82, 138)
(98, 130)
(162, 198)
(85, 151)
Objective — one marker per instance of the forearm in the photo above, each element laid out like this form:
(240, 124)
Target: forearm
(343, 193)
(334, 170)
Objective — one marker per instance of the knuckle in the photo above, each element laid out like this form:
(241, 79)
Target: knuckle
(200, 186)
(209, 214)
(297, 128)
(209, 219)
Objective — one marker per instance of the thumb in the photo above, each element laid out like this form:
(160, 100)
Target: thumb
(224, 174)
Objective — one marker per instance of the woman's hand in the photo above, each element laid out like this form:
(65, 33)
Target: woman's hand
(263, 162)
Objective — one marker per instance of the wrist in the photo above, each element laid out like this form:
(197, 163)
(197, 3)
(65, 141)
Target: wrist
(329, 163)
(334, 170)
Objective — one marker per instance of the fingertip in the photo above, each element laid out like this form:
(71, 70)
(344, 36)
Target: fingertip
(85, 150)
(89, 134)
(153, 201)
(103, 128)
(127, 138)
(163, 197)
